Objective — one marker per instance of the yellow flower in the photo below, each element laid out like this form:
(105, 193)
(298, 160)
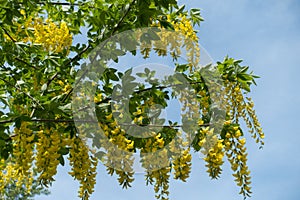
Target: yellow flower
(130, 145)
(61, 83)
(22, 12)
(214, 159)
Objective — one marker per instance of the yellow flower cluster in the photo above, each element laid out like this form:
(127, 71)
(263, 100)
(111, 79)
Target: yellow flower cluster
(238, 107)
(154, 143)
(138, 117)
(160, 178)
(10, 178)
(153, 155)
(116, 135)
(23, 155)
(190, 112)
(182, 165)
(7, 175)
(204, 102)
(252, 122)
(213, 148)
(237, 102)
(83, 167)
(118, 157)
(181, 25)
(98, 98)
(121, 164)
(214, 160)
(47, 156)
(155, 161)
(2, 175)
(184, 26)
(145, 50)
(66, 87)
(125, 178)
(17, 171)
(237, 156)
(53, 38)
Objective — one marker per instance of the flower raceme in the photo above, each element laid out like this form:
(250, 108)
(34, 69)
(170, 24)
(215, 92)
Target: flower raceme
(189, 41)
(83, 167)
(53, 37)
(47, 156)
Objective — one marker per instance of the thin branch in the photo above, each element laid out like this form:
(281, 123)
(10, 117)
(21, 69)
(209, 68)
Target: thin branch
(94, 121)
(6, 121)
(151, 125)
(106, 100)
(147, 89)
(58, 3)
(164, 87)
(6, 32)
(19, 89)
(60, 120)
(23, 61)
(61, 3)
(123, 17)
(68, 63)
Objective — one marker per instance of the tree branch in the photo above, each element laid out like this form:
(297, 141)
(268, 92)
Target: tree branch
(123, 17)
(22, 61)
(94, 121)
(58, 3)
(68, 63)
(19, 89)
(147, 89)
(6, 32)
(61, 3)
(6, 121)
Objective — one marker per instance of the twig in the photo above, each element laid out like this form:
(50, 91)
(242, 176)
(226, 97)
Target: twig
(68, 63)
(123, 17)
(61, 3)
(6, 121)
(19, 89)
(22, 61)
(58, 3)
(95, 121)
(6, 32)
(147, 89)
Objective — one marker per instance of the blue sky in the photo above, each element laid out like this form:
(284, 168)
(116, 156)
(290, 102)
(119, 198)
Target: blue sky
(266, 35)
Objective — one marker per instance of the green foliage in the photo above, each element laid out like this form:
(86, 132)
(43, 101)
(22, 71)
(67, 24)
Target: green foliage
(37, 84)
(12, 192)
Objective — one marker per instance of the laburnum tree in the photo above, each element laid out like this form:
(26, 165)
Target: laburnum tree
(43, 58)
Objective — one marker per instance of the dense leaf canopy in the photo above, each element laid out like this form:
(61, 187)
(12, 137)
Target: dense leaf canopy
(55, 69)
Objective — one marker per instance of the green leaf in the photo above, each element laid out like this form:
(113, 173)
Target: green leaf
(63, 151)
(147, 71)
(61, 160)
(181, 68)
(142, 75)
(180, 9)
(152, 5)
